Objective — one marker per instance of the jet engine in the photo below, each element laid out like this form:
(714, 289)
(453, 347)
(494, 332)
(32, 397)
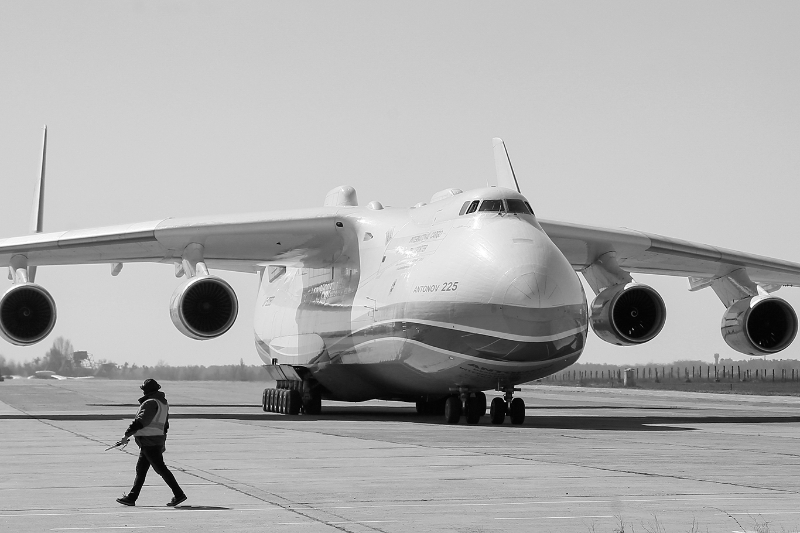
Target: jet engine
(204, 307)
(628, 314)
(27, 314)
(759, 325)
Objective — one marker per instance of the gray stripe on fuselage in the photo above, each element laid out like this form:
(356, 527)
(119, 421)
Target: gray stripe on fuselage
(495, 318)
(482, 346)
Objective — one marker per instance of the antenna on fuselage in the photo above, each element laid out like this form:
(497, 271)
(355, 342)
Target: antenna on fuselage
(502, 166)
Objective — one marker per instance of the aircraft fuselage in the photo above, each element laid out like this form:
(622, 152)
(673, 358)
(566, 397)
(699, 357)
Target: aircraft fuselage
(424, 302)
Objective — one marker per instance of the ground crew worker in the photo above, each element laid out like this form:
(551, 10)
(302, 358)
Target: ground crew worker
(149, 429)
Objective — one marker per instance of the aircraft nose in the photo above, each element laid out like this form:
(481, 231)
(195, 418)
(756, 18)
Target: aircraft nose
(536, 274)
(528, 289)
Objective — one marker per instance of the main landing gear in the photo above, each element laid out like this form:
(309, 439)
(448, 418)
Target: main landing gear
(473, 407)
(470, 404)
(292, 398)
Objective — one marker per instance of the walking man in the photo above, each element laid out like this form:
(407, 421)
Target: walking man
(149, 429)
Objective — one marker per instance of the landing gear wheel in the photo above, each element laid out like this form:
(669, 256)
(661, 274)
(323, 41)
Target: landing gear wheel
(498, 411)
(264, 400)
(452, 410)
(474, 408)
(481, 401)
(285, 402)
(294, 402)
(271, 400)
(517, 411)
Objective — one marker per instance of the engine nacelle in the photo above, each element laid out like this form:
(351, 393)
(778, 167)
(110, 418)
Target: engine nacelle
(204, 307)
(759, 325)
(628, 314)
(27, 314)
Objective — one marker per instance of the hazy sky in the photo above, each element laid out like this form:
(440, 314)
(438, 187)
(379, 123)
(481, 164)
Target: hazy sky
(677, 118)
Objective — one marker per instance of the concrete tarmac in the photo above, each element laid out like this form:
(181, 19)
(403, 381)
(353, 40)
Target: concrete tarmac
(596, 460)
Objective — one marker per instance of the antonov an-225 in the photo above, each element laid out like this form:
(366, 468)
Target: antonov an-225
(432, 304)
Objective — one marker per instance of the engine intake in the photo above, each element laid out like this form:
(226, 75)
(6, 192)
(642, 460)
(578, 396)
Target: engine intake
(204, 307)
(759, 325)
(626, 315)
(27, 314)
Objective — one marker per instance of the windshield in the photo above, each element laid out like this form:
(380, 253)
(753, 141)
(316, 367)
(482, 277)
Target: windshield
(491, 205)
(518, 206)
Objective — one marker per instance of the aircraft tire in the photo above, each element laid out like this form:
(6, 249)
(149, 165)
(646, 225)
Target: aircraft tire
(294, 401)
(284, 397)
(452, 410)
(271, 400)
(473, 414)
(437, 406)
(481, 399)
(517, 411)
(264, 400)
(497, 412)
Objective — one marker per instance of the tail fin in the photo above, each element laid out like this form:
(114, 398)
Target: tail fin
(37, 214)
(502, 166)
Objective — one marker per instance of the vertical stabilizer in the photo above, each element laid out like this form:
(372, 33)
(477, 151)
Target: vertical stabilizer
(37, 214)
(502, 166)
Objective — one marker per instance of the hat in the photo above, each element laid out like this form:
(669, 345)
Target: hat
(150, 385)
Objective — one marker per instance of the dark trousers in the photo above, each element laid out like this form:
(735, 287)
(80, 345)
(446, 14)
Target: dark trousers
(153, 456)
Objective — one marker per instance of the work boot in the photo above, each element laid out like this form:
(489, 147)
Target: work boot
(176, 500)
(128, 500)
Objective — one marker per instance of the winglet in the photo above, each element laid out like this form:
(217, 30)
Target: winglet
(37, 214)
(502, 166)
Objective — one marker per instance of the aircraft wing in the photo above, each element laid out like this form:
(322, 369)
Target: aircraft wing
(231, 242)
(636, 251)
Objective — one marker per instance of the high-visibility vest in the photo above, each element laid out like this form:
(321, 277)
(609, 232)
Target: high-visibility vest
(156, 426)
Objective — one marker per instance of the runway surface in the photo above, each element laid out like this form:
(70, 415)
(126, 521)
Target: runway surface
(596, 460)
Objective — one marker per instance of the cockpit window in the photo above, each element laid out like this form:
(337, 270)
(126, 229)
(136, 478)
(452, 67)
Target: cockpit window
(491, 205)
(473, 206)
(463, 208)
(518, 206)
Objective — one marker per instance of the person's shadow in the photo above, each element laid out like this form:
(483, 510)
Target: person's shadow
(202, 508)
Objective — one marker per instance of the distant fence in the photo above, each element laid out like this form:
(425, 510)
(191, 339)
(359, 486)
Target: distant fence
(677, 373)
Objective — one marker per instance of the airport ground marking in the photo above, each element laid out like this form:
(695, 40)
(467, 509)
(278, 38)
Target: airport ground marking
(553, 517)
(103, 527)
(577, 501)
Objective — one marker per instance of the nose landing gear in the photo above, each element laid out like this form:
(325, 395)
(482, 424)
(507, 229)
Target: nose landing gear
(508, 405)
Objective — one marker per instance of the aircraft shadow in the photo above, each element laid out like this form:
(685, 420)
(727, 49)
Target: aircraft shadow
(662, 423)
(173, 405)
(655, 422)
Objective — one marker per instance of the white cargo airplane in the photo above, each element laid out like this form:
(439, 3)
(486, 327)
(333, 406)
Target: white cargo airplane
(435, 303)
